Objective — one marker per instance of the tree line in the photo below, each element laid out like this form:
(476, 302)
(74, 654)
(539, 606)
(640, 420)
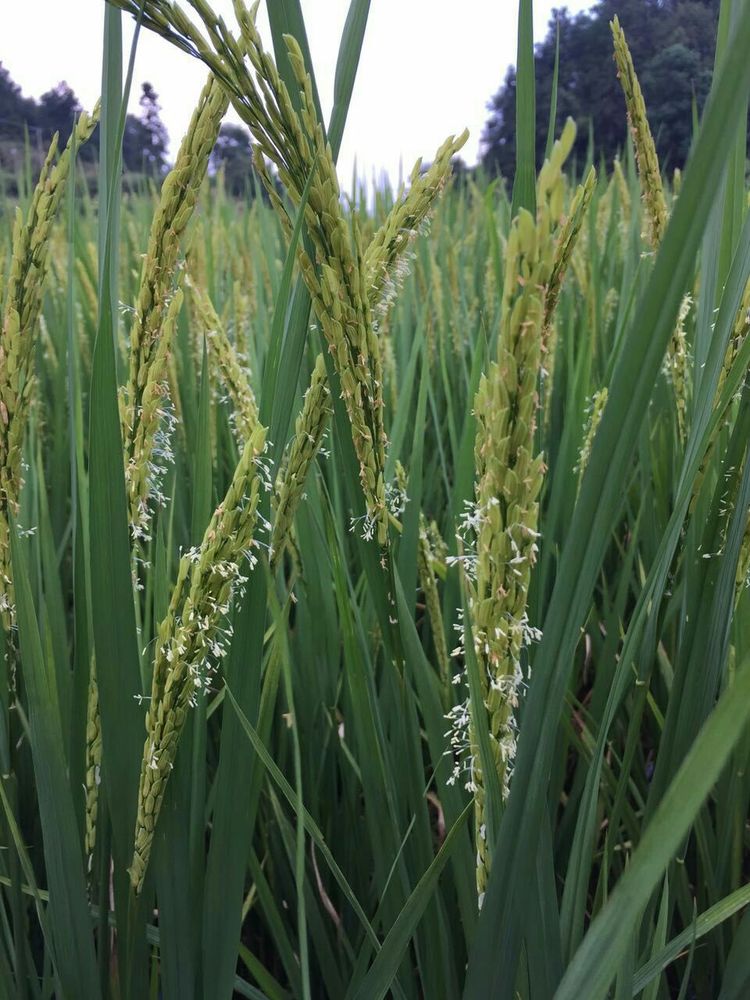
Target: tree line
(672, 43)
(27, 126)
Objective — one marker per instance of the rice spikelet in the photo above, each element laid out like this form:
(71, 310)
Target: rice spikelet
(386, 257)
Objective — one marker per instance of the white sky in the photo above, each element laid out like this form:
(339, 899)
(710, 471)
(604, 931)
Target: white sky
(428, 67)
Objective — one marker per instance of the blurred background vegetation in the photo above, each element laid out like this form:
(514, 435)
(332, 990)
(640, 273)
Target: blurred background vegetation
(672, 42)
(27, 127)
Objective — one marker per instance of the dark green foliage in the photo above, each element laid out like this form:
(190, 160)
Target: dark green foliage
(15, 109)
(673, 51)
(25, 122)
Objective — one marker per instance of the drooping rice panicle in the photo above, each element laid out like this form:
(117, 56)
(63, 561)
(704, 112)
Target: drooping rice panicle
(564, 250)
(342, 300)
(296, 146)
(309, 431)
(190, 639)
(225, 363)
(386, 257)
(566, 243)
(146, 401)
(23, 301)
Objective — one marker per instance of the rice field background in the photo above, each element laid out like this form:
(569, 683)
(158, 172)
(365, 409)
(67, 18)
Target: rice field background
(374, 609)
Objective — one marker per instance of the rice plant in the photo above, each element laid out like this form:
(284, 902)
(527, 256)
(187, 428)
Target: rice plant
(374, 569)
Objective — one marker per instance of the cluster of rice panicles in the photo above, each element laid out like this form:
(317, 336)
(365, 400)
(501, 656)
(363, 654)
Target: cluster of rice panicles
(29, 267)
(336, 275)
(146, 409)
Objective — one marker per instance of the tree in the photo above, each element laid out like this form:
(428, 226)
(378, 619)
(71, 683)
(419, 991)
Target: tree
(155, 131)
(15, 110)
(674, 78)
(233, 155)
(672, 43)
(57, 111)
(145, 139)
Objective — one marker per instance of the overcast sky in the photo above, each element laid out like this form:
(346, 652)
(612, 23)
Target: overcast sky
(427, 70)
